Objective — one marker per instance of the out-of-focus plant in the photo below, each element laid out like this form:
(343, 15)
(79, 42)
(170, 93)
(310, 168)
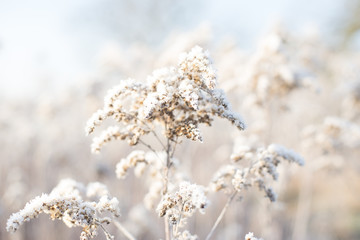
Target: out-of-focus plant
(350, 21)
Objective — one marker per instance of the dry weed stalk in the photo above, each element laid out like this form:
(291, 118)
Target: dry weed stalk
(176, 100)
(66, 203)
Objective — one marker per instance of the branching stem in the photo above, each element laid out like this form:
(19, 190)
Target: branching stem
(220, 217)
(124, 231)
(107, 234)
(166, 179)
(147, 145)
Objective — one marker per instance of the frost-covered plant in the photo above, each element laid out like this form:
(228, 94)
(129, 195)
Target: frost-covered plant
(179, 99)
(176, 99)
(250, 236)
(235, 178)
(263, 162)
(271, 71)
(271, 75)
(180, 205)
(65, 202)
(171, 104)
(332, 134)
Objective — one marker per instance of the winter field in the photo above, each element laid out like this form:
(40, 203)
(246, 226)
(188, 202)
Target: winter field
(194, 138)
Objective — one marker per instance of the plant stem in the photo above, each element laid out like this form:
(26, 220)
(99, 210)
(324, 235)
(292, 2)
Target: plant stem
(107, 234)
(174, 148)
(167, 164)
(152, 131)
(304, 207)
(166, 179)
(167, 229)
(220, 217)
(124, 231)
(176, 229)
(147, 145)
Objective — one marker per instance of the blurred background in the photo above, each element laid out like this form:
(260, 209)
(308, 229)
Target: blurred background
(59, 58)
(46, 45)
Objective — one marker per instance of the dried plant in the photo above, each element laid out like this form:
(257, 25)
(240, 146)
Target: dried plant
(179, 99)
(66, 203)
(173, 103)
(263, 162)
(250, 236)
(176, 99)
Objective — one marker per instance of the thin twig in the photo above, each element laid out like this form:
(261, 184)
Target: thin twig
(175, 231)
(147, 145)
(168, 157)
(107, 234)
(167, 163)
(152, 131)
(167, 167)
(174, 148)
(165, 177)
(304, 205)
(167, 228)
(218, 220)
(151, 149)
(124, 231)
(158, 138)
(167, 232)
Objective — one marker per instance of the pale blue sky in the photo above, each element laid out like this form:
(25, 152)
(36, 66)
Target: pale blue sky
(52, 43)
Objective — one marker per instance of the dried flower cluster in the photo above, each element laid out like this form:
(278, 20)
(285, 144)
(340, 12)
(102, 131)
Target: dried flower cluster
(175, 100)
(189, 198)
(180, 205)
(135, 159)
(180, 99)
(263, 163)
(250, 236)
(66, 203)
(270, 71)
(334, 133)
(186, 235)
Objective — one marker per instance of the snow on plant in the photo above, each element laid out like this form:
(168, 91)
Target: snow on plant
(182, 204)
(234, 178)
(250, 236)
(334, 133)
(179, 99)
(263, 162)
(66, 203)
(172, 103)
(271, 73)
